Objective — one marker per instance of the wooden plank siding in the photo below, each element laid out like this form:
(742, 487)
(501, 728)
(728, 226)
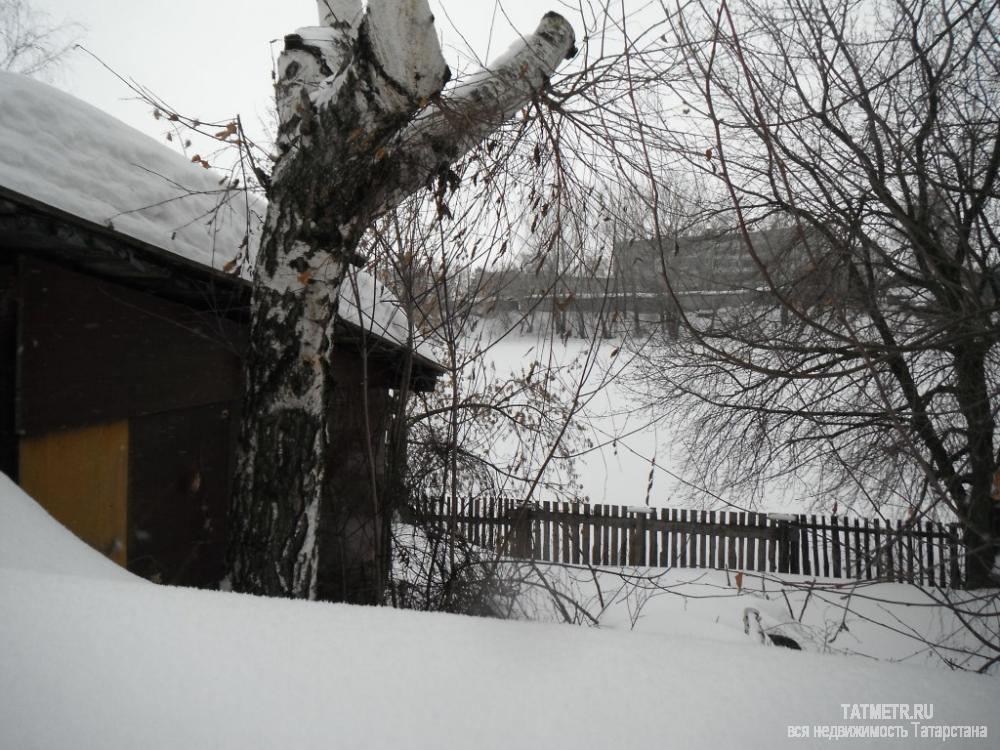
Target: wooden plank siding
(8, 369)
(94, 352)
(181, 466)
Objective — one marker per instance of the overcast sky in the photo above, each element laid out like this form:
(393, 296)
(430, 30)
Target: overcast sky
(212, 60)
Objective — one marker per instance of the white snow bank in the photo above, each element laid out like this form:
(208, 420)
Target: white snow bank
(95, 663)
(31, 539)
(67, 154)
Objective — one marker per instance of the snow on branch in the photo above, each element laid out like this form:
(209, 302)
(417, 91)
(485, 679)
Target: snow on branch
(405, 47)
(382, 107)
(387, 54)
(452, 126)
(340, 14)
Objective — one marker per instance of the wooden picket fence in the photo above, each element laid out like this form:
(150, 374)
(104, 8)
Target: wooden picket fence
(920, 552)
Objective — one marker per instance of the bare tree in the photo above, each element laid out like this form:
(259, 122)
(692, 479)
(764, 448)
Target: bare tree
(30, 43)
(863, 352)
(362, 125)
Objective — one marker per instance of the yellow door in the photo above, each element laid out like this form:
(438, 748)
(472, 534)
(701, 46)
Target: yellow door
(81, 478)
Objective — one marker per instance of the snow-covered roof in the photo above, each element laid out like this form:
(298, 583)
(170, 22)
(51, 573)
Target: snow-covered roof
(368, 304)
(66, 154)
(60, 151)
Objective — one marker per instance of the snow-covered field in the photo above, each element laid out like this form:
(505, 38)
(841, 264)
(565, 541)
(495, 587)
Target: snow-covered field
(91, 657)
(631, 443)
(885, 621)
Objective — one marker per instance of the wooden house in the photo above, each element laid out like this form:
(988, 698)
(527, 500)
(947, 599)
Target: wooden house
(121, 337)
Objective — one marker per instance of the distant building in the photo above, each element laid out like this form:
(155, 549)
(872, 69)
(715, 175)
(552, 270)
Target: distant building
(716, 268)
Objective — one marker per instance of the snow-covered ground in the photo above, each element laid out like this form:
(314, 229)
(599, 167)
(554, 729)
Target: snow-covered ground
(885, 621)
(91, 657)
(631, 444)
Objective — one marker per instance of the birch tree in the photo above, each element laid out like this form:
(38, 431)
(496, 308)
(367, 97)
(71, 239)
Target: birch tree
(363, 124)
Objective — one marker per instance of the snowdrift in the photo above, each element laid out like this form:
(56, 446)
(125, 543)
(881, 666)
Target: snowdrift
(32, 540)
(89, 658)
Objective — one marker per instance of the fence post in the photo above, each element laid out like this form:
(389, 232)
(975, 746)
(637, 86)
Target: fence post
(912, 561)
(835, 546)
(792, 532)
(612, 549)
(665, 548)
(928, 540)
(545, 526)
(596, 533)
(686, 556)
(713, 540)
(784, 546)
(772, 544)
(900, 553)
(942, 556)
(735, 541)
(878, 551)
(868, 552)
(956, 570)
(760, 522)
(477, 523)
(815, 534)
(653, 538)
(521, 531)
(859, 554)
(568, 528)
(637, 546)
(847, 546)
(606, 541)
(807, 564)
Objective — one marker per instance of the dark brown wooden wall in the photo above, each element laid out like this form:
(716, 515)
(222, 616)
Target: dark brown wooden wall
(95, 352)
(347, 534)
(8, 369)
(180, 476)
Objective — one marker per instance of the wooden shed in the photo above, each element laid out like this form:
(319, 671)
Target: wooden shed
(121, 339)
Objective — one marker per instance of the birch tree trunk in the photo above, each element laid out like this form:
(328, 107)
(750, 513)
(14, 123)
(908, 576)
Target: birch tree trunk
(362, 125)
